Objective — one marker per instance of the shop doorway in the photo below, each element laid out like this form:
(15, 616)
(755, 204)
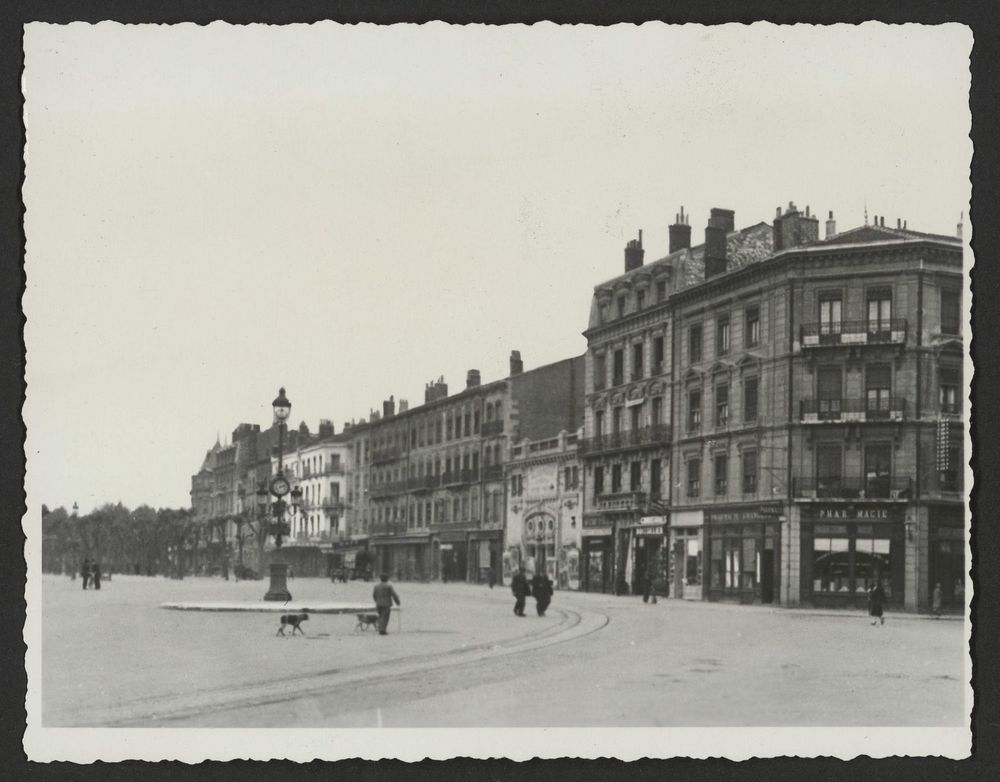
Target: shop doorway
(453, 562)
(597, 565)
(648, 566)
(767, 576)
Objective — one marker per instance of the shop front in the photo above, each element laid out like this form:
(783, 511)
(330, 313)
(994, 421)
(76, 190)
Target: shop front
(847, 549)
(347, 560)
(946, 565)
(404, 557)
(596, 553)
(744, 545)
(647, 559)
(685, 560)
(484, 553)
(453, 555)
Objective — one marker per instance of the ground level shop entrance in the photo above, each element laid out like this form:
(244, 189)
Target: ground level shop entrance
(744, 553)
(403, 558)
(946, 556)
(846, 549)
(647, 558)
(597, 552)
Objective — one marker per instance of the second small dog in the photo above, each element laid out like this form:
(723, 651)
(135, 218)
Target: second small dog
(294, 620)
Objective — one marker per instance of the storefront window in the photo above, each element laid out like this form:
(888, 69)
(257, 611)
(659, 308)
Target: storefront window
(691, 575)
(871, 562)
(831, 565)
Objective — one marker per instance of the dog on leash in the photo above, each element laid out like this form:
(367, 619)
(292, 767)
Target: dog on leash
(294, 621)
(365, 621)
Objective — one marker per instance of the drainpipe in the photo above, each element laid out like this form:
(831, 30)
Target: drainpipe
(788, 445)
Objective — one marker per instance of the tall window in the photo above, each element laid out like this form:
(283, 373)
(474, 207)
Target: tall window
(621, 306)
(749, 472)
(721, 474)
(828, 470)
(657, 355)
(448, 428)
(830, 306)
(829, 388)
(694, 410)
(661, 291)
(878, 466)
(636, 413)
(879, 310)
(950, 312)
(467, 420)
(948, 399)
(616, 478)
(635, 476)
(750, 399)
(655, 478)
(637, 361)
(598, 422)
(878, 389)
(722, 336)
(475, 422)
(598, 482)
(694, 343)
(656, 410)
(600, 372)
(619, 368)
(616, 420)
(694, 478)
(722, 404)
(571, 476)
(751, 333)
(640, 299)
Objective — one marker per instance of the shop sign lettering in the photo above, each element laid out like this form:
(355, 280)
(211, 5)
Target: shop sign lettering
(876, 514)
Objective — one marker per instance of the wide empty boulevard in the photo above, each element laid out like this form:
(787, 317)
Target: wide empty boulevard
(456, 656)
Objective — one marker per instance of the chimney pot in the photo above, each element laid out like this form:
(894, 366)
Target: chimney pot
(516, 364)
(472, 378)
(634, 253)
(680, 233)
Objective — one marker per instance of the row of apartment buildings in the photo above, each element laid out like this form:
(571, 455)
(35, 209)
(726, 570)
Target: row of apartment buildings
(765, 417)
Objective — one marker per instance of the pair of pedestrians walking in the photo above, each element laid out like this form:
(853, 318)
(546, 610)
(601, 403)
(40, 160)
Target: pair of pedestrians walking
(90, 572)
(540, 587)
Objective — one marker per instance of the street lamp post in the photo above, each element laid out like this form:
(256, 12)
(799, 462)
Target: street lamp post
(279, 488)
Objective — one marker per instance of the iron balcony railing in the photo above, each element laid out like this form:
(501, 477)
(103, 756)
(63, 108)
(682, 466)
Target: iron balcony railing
(632, 500)
(493, 472)
(889, 331)
(490, 428)
(883, 408)
(658, 434)
(334, 469)
(423, 483)
(387, 489)
(387, 454)
(881, 488)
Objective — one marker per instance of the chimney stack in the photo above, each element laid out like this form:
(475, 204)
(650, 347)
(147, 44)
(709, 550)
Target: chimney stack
(720, 223)
(389, 407)
(881, 221)
(831, 227)
(472, 378)
(516, 365)
(404, 405)
(793, 229)
(680, 233)
(634, 253)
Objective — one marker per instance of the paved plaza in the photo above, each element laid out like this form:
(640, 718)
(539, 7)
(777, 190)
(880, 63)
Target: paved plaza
(456, 656)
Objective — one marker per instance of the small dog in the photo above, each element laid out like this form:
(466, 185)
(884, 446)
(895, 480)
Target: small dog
(295, 620)
(365, 621)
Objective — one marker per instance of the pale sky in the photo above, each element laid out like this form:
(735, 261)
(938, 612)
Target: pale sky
(350, 212)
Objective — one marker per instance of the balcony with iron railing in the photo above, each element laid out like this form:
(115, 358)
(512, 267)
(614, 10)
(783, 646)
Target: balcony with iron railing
(646, 436)
(493, 472)
(387, 489)
(387, 454)
(621, 501)
(838, 488)
(891, 331)
(491, 428)
(330, 469)
(883, 408)
(423, 482)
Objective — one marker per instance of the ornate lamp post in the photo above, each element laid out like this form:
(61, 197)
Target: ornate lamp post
(279, 488)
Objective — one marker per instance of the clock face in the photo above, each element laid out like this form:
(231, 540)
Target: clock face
(279, 487)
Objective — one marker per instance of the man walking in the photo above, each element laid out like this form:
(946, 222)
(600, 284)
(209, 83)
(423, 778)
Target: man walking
(85, 572)
(541, 588)
(384, 596)
(95, 570)
(519, 586)
(876, 602)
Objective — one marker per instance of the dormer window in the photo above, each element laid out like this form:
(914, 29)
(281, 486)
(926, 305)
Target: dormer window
(621, 306)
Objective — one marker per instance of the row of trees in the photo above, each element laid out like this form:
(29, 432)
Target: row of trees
(164, 541)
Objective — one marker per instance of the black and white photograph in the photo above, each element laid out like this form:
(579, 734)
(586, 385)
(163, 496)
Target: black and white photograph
(421, 391)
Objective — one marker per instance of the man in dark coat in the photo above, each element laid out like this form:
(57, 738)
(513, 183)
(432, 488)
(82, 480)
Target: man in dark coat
(876, 603)
(85, 572)
(521, 589)
(384, 596)
(96, 574)
(541, 588)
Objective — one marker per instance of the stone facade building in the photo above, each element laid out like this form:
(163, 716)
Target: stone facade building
(544, 504)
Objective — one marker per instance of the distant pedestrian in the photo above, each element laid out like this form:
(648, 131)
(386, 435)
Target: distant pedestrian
(384, 596)
(876, 603)
(647, 586)
(492, 577)
(541, 588)
(85, 572)
(95, 571)
(936, 600)
(521, 589)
